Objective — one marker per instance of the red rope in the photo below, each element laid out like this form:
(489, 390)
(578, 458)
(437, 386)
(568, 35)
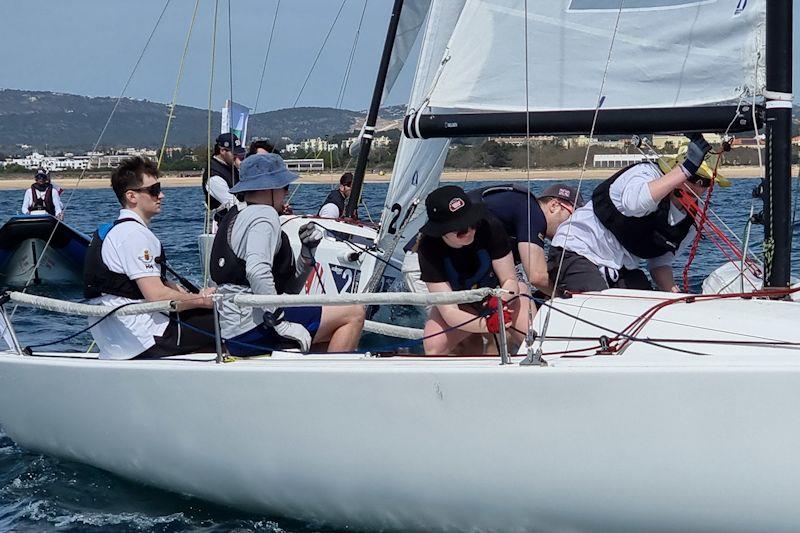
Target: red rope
(706, 228)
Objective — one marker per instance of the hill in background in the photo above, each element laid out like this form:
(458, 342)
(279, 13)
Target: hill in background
(65, 122)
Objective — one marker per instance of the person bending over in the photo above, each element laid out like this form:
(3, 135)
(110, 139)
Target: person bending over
(528, 221)
(126, 263)
(464, 247)
(252, 255)
(634, 215)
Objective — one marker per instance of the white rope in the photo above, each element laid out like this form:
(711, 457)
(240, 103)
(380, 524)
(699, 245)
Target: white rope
(391, 330)
(278, 300)
(75, 308)
(395, 298)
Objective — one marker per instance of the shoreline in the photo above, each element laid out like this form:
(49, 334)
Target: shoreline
(180, 179)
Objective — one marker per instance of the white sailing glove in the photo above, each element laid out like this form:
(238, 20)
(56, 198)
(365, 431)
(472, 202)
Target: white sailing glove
(310, 236)
(295, 332)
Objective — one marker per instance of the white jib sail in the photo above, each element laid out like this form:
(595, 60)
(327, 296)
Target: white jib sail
(419, 163)
(412, 18)
(666, 53)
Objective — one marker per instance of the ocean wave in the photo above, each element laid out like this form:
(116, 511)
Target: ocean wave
(41, 512)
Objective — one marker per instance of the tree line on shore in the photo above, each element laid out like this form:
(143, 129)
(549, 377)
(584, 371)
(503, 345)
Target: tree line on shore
(475, 153)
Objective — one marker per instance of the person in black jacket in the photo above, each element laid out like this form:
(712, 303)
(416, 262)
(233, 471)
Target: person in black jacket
(333, 206)
(224, 173)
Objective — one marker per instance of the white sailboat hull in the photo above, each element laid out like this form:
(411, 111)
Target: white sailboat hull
(598, 444)
(346, 256)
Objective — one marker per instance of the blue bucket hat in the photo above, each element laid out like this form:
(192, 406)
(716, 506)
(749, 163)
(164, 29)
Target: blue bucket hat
(262, 172)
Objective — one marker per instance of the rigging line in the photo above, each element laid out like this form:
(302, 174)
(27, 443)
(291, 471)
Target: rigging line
(178, 83)
(348, 68)
(208, 224)
(230, 70)
(619, 334)
(531, 309)
(94, 148)
(266, 56)
(319, 53)
(600, 99)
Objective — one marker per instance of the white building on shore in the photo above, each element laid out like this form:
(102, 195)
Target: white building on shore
(91, 160)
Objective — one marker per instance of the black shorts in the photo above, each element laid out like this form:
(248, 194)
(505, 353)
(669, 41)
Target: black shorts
(578, 274)
(187, 332)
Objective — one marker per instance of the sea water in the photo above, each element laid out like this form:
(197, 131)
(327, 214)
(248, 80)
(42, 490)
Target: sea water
(44, 494)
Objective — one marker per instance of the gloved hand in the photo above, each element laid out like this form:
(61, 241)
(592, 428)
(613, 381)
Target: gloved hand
(310, 236)
(695, 153)
(296, 332)
(493, 320)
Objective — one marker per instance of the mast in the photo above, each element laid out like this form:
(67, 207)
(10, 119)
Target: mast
(778, 132)
(372, 116)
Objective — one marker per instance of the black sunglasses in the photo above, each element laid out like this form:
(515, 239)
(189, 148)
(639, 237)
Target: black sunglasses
(153, 190)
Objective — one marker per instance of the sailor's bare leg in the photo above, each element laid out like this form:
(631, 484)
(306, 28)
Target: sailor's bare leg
(340, 327)
(443, 340)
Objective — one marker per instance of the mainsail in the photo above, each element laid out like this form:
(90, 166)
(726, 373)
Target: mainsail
(666, 54)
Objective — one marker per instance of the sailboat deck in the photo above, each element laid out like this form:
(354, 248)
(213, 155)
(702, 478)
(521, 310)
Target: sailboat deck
(357, 363)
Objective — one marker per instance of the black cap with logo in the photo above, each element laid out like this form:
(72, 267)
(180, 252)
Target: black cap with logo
(567, 193)
(450, 209)
(229, 141)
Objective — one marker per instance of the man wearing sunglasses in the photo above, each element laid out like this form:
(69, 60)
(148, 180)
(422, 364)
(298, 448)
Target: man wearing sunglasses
(252, 255)
(43, 197)
(224, 172)
(634, 215)
(125, 263)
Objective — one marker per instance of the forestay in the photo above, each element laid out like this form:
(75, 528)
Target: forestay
(666, 53)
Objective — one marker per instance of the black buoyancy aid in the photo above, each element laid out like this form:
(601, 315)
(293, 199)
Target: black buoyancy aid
(483, 276)
(98, 279)
(227, 267)
(508, 187)
(337, 198)
(218, 168)
(645, 237)
(42, 204)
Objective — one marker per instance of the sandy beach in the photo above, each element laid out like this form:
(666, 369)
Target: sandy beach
(185, 179)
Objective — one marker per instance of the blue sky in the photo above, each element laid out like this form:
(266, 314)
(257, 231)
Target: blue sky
(89, 47)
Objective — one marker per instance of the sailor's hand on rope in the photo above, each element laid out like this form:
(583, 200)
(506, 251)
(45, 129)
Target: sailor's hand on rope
(493, 320)
(310, 236)
(206, 294)
(695, 153)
